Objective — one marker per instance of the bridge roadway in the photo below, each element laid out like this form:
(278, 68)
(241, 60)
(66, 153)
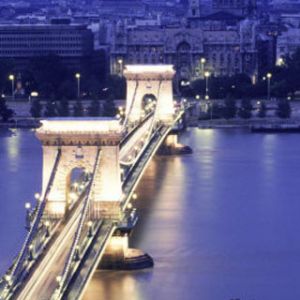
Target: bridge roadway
(129, 149)
(42, 282)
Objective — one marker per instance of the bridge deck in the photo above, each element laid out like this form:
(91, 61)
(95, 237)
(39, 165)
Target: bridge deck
(89, 262)
(43, 281)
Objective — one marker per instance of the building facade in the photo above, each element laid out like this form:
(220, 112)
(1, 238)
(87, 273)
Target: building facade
(222, 50)
(23, 42)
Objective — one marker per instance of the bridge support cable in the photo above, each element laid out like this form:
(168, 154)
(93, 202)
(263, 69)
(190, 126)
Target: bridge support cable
(36, 222)
(155, 112)
(76, 242)
(149, 134)
(131, 104)
(130, 182)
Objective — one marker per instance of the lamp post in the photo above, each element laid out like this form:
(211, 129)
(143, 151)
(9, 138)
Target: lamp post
(269, 76)
(12, 79)
(78, 77)
(202, 63)
(206, 75)
(120, 62)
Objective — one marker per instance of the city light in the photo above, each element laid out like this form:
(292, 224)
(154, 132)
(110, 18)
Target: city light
(207, 74)
(34, 94)
(12, 79)
(280, 62)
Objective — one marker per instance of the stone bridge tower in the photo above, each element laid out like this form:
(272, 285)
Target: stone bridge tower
(79, 141)
(156, 80)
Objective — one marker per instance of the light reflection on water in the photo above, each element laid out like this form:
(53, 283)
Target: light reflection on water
(220, 224)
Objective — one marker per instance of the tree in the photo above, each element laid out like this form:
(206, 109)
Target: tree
(262, 111)
(117, 87)
(5, 113)
(50, 110)
(245, 111)
(78, 109)
(94, 108)
(283, 109)
(36, 109)
(63, 108)
(229, 110)
(109, 109)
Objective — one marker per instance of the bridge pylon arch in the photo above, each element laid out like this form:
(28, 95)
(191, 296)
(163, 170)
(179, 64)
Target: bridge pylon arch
(79, 141)
(149, 79)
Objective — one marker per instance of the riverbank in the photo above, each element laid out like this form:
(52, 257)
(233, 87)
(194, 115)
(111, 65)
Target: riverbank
(21, 124)
(242, 123)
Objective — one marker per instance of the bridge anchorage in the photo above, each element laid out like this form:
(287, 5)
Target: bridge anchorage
(91, 168)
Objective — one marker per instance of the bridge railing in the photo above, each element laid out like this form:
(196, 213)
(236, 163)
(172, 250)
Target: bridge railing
(13, 276)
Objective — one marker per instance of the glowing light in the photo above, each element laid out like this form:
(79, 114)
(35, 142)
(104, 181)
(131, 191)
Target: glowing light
(73, 196)
(34, 94)
(11, 77)
(90, 224)
(280, 61)
(78, 75)
(37, 196)
(27, 205)
(269, 75)
(203, 60)
(207, 74)
(129, 206)
(134, 196)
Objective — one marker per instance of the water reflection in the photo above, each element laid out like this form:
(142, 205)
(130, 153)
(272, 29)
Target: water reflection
(220, 224)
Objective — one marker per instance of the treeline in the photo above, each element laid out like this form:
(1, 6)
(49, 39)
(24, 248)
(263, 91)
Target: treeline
(285, 82)
(64, 108)
(229, 110)
(53, 79)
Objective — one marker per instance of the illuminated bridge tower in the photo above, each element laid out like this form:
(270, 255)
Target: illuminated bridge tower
(91, 145)
(154, 80)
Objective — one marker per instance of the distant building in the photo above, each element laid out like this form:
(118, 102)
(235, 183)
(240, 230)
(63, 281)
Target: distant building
(287, 43)
(23, 42)
(227, 50)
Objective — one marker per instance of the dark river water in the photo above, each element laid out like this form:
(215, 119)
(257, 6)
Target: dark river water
(220, 224)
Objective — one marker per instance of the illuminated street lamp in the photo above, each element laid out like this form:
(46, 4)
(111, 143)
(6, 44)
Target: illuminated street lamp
(90, 229)
(202, 63)
(280, 62)
(269, 76)
(33, 95)
(120, 62)
(78, 77)
(12, 79)
(206, 75)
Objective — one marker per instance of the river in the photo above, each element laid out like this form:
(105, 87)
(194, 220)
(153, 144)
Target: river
(220, 224)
